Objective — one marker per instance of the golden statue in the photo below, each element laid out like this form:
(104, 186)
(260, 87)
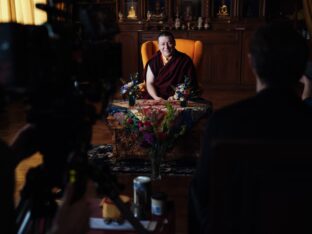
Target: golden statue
(131, 12)
(223, 9)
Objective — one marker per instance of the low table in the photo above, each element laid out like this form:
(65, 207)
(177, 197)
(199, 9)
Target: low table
(194, 116)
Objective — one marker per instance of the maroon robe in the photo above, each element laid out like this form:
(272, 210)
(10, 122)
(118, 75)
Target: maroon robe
(172, 73)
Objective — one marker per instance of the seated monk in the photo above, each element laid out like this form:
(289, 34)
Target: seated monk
(167, 68)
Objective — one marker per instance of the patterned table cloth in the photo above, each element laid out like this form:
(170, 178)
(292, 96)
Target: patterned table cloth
(191, 115)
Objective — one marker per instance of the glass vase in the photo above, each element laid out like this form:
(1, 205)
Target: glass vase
(131, 99)
(156, 156)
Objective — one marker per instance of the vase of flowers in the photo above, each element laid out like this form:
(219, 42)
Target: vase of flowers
(157, 129)
(131, 99)
(184, 91)
(130, 89)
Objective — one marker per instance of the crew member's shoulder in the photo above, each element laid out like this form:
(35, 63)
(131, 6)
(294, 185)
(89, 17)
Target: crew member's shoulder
(245, 104)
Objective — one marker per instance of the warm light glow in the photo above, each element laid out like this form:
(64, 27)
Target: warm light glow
(22, 11)
(40, 16)
(4, 11)
(131, 12)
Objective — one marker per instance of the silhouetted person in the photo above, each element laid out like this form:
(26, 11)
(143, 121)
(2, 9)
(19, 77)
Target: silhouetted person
(278, 57)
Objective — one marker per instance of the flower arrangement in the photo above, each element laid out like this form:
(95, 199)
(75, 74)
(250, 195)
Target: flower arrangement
(184, 91)
(130, 87)
(157, 130)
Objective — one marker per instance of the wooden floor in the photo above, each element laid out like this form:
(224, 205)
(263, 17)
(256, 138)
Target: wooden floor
(176, 187)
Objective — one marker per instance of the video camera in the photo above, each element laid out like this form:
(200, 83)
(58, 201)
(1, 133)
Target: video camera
(60, 67)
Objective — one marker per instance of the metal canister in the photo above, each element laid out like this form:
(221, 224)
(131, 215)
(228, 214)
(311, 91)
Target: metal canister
(141, 196)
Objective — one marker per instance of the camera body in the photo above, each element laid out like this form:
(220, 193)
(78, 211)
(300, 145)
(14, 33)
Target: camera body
(58, 68)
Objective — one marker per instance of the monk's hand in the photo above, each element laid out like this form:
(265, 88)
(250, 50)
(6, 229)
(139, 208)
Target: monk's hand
(171, 98)
(159, 99)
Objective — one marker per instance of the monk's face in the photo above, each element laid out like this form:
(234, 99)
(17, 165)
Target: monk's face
(166, 46)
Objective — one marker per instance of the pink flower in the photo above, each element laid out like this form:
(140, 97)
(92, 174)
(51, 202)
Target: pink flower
(146, 111)
(140, 124)
(130, 121)
(158, 126)
(147, 124)
(149, 138)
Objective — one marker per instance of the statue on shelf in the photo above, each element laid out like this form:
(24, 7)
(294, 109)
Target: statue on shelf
(120, 16)
(148, 16)
(206, 24)
(199, 22)
(177, 23)
(223, 9)
(188, 24)
(131, 12)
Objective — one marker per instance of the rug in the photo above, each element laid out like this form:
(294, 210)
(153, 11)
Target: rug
(103, 154)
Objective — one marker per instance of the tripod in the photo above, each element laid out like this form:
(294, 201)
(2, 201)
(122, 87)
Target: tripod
(38, 206)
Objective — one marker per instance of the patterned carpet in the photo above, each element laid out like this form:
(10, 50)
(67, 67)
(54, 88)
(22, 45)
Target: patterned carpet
(104, 154)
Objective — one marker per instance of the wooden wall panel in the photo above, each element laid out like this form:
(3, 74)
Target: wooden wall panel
(221, 59)
(204, 71)
(247, 77)
(130, 52)
(225, 64)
